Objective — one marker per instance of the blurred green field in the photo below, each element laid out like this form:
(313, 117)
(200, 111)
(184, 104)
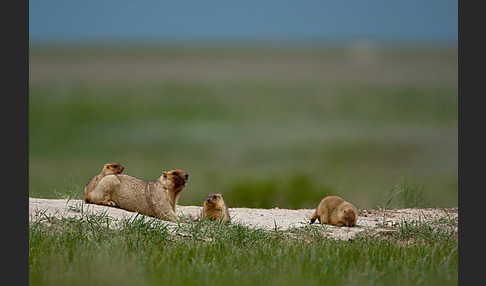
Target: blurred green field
(264, 129)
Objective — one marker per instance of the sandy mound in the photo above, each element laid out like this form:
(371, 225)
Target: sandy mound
(375, 221)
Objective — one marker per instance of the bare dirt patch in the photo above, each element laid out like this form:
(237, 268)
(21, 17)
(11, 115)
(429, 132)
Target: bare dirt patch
(373, 221)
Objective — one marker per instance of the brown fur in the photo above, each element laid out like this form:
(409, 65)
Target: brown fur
(336, 211)
(108, 169)
(214, 208)
(155, 198)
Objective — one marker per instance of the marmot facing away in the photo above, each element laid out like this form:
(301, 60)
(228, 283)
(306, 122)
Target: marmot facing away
(155, 198)
(108, 169)
(214, 208)
(336, 211)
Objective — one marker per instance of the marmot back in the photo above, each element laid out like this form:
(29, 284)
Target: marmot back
(108, 169)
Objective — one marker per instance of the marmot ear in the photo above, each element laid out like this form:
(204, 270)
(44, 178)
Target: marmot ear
(164, 174)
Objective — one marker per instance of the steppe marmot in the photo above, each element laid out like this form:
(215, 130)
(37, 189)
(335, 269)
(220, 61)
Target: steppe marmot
(336, 211)
(157, 198)
(108, 169)
(214, 208)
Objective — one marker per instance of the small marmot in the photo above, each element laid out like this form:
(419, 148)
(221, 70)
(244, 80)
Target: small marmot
(214, 208)
(108, 169)
(336, 211)
(157, 198)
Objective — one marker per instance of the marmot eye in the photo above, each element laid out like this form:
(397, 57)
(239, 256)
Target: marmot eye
(174, 173)
(214, 197)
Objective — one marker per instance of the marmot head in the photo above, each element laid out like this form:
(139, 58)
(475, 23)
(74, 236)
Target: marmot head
(175, 179)
(112, 168)
(214, 201)
(348, 215)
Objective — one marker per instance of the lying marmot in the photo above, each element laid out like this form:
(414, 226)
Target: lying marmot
(108, 169)
(155, 198)
(336, 211)
(214, 208)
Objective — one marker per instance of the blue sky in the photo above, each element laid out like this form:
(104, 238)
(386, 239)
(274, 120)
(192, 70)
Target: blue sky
(388, 20)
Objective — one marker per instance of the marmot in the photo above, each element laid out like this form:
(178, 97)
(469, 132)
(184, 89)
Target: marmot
(336, 211)
(155, 198)
(214, 208)
(108, 169)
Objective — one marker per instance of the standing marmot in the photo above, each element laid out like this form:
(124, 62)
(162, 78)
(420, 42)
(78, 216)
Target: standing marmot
(336, 211)
(155, 198)
(214, 208)
(108, 169)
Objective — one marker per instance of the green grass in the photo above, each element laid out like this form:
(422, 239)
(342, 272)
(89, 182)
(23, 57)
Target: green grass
(87, 250)
(405, 195)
